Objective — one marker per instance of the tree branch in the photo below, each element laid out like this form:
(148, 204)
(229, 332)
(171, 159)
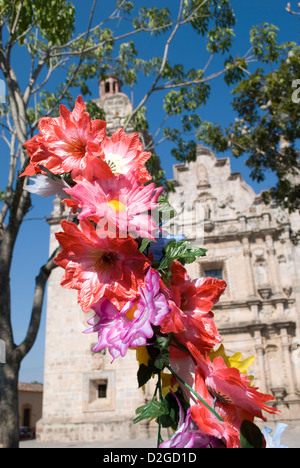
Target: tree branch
(163, 64)
(36, 312)
(63, 92)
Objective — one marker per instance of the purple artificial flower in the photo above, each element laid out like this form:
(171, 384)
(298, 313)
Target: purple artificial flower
(131, 326)
(188, 435)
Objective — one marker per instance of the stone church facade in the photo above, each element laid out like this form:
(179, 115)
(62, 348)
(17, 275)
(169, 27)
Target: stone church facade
(88, 398)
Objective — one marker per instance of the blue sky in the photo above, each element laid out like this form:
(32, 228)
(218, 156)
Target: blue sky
(32, 245)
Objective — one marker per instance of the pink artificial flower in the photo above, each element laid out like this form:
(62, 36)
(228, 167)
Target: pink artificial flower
(121, 201)
(124, 154)
(69, 143)
(191, 301)
(131, 326)
(98, 266)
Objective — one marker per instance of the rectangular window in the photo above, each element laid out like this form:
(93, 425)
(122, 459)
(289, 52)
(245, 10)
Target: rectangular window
(214, 273)
(26, 417)
(101, 389)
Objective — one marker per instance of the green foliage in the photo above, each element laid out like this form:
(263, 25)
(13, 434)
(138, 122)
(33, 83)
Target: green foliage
(266, 128)
(155, 19)
(47, 29)
(182, 251)
(264, 42)
(54, 18)
(170, 419)
(95, 111)
(151, 410)
(167, 211)
(251, 436)
(158, 351)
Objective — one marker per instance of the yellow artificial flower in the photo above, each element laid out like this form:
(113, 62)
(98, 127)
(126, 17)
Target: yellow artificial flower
(166, 385)
(142, 355)
(234, 360)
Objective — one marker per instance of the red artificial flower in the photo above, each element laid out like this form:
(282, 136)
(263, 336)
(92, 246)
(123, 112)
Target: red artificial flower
(124, 154)
(231, 394)
(69, 143)
(191, 319)
(97, 265)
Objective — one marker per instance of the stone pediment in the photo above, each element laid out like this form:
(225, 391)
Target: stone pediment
(209, 180)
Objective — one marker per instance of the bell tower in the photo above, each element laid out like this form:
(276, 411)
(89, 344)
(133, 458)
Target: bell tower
(114, 102)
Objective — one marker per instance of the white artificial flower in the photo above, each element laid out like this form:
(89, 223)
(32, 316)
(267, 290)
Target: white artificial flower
(273, 441)
(47, 186)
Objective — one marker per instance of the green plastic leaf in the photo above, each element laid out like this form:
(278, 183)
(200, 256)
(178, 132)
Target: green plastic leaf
(144, 373)
(251, 436)
(183, 251)
(152, 410)
(167, 211)
(144, 244)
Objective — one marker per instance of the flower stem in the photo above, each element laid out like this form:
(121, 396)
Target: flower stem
(195, 393)
(158, 386)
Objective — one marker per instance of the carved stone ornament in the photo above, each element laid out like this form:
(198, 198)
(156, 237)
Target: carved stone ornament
(209, 226)
(265, 293)
(288, 291)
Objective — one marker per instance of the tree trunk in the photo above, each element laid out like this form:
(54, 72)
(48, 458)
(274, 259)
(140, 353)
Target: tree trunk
(9, 411)
(9, 370)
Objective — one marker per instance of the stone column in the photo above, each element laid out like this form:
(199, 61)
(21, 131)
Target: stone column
(248, 263)
(259, 350)
(291, 389)
(273, 267)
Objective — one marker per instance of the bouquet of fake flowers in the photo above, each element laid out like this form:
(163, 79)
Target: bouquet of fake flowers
(131, 273)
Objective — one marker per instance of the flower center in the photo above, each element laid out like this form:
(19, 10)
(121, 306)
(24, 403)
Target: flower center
(116, 205)
(105, 261)
(76, 146)
(116, 163)
(219, 396)
(130, 313)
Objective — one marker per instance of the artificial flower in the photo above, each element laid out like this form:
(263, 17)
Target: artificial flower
(191, 301)
(234, 397)
(46, 186)
(121, 201)
(220, 427)
(274, 440)
(99, 266)
(124, 154)
(132, 325)
(188, 435)
(69, 143)
(234, 361)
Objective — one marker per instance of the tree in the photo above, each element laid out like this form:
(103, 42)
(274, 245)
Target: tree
(266, 128)
(45, 34)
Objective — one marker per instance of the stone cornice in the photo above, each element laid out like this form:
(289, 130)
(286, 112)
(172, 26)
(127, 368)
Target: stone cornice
(229, 305)
(254, 325)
